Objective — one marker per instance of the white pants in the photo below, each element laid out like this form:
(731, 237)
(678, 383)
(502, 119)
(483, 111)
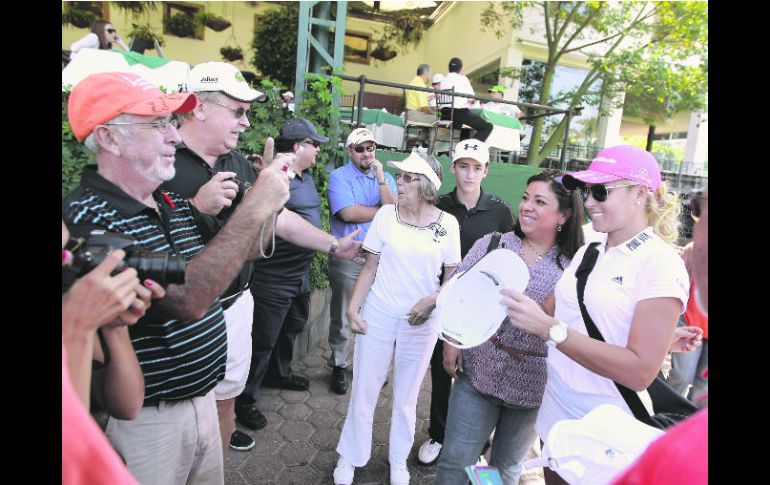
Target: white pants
(372, 355)
(238, 320)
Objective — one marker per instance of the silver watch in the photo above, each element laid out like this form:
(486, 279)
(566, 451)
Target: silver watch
(557, 334)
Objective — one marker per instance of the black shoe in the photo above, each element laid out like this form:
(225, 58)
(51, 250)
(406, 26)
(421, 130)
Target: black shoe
(249, 416)
(241, 441)
(339, 380)
(293, 383)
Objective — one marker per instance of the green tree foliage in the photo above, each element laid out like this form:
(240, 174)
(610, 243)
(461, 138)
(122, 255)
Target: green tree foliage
(643, 48)
(74, 155)
(275, 43)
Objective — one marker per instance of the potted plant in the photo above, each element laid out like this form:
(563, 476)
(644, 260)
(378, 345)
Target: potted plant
(383, 52)
(80, 14)
(180, 24)
(212, 21)
(145, 34)
(231, 53)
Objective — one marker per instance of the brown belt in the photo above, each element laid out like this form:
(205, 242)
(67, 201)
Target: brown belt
(515, 353)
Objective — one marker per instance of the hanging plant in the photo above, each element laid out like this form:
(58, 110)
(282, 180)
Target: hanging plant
(135, 8)
(146, 34)
(405, 32)
(231, 53)
(180, 24)
(212, 21)
(81, 14)
(383, 52)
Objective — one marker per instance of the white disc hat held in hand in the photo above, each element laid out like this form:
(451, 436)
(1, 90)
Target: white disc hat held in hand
(468, 308)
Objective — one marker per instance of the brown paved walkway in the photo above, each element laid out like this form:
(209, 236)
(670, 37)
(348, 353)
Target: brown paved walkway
(297, 446)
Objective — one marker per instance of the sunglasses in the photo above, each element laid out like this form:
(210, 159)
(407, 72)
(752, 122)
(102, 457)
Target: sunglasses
(239, 112)
(600, 192)
(695, 202)
(111, 31)
(407, 178)
(312, 142)
(370, 148)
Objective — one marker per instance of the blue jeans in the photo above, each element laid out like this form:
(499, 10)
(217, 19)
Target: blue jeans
(471, 419)
(687, 367)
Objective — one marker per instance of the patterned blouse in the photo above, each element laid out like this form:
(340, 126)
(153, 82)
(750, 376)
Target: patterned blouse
(511, 366)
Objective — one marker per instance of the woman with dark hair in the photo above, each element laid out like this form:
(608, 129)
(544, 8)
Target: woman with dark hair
(407, 246)
(102, 35)
(500, 383)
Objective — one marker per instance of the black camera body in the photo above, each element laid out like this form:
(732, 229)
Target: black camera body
(88, 252)
(243, 188)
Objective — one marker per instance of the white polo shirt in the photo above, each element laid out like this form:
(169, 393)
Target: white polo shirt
(411, 259)
(641, 268)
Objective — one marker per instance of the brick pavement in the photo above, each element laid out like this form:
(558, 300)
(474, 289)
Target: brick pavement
(297, 447)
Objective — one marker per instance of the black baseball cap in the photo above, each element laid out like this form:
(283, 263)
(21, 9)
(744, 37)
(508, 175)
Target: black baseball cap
(300, 128)
(455, 64)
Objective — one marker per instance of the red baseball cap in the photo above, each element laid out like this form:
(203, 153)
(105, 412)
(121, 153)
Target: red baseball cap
(100, 97)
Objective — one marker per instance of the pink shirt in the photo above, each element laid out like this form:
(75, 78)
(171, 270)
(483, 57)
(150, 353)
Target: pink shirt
(86, 456)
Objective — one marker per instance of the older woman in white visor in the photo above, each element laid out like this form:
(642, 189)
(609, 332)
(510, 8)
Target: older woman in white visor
(407, 247)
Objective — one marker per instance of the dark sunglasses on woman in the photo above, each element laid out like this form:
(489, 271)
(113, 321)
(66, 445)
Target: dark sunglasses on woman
(600, 192)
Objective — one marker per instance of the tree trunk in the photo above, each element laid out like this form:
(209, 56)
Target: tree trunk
(533, 152)
(650, 134)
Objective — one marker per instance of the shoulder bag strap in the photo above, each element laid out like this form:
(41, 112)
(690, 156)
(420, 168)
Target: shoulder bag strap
(585, 268)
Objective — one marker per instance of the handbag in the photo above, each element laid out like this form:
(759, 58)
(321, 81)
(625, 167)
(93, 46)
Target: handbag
(669, 406)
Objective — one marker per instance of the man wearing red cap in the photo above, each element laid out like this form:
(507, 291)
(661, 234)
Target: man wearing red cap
(181, 342)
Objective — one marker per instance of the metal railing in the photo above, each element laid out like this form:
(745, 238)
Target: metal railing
(549, 110)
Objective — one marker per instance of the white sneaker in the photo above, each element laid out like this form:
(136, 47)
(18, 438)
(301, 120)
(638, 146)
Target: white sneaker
(399, 475)
(343, 473)
(429, 451)
(482, 461)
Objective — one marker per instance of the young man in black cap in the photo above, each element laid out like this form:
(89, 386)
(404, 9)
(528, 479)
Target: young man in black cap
(281, 284)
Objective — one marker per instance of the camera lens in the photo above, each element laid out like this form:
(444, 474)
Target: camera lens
(165, 268)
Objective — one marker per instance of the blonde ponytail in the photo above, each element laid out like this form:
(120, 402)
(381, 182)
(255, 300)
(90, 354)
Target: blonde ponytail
(663, 209)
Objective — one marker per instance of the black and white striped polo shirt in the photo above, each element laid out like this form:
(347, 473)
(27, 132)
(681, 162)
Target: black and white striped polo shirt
(179, 359)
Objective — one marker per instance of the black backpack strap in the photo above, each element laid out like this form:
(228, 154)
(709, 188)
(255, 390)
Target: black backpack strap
(585, 268)
(495, 241)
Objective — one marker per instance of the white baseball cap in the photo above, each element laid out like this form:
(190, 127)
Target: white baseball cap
(471, 148)
(437, 78)
(416, 164)
(468, 307)
(358, 136)
(223, 77)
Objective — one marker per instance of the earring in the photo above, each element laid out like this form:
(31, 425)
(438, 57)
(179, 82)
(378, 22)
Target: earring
(559, 228)
(638, 202)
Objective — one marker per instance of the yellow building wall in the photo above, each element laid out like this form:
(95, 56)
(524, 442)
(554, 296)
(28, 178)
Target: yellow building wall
(635, 126)
(193, 51)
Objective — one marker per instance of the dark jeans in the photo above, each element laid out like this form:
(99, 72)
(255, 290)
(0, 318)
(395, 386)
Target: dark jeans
(464, 116)
(281, 311)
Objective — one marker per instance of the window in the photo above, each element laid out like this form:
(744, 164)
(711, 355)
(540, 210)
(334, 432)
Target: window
(179, 20)
(357, 47)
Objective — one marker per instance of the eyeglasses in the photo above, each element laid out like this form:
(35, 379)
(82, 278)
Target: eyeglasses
(600, 192)
(695, 202)
(370, 148)
(239, 112)
(312, 142)
(407, 178)
(111, 31)
(161, 125)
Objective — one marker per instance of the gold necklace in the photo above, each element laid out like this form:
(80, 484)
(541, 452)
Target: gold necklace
(538, 256)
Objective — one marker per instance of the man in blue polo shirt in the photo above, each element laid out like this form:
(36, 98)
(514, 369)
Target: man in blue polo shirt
(356, 191)
(181, 342)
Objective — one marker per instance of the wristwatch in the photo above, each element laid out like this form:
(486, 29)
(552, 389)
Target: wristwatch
(335, 245)
(557, 334)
